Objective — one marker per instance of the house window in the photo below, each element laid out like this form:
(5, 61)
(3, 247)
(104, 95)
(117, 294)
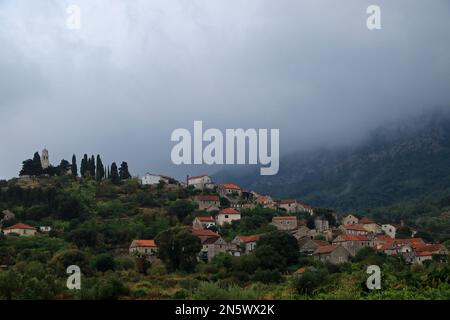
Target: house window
(226, 216)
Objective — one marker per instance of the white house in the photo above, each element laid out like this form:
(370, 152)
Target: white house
(21, 229)
(153, 179)
(200, 182)
(227, 216)
(389, 229)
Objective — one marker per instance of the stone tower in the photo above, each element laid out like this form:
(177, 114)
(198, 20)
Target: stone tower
(44, 159)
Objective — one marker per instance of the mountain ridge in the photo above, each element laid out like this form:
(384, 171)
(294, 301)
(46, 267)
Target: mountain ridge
(397, 162)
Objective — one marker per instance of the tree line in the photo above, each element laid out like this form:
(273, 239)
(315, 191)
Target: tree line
(90, 167)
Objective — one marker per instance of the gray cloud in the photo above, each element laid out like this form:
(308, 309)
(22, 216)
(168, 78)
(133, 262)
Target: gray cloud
(137, 70)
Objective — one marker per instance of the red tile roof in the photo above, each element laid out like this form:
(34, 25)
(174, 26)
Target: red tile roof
(353, 237)
(205, 219)
(252, 238)
(229, 211)
(355, 227)
(424, 254)
(325, 249)
(21, 226)
(321, 242)
(263, 199)
(365, 220)
(428, 247)
(205, 233)
(383, 237)
(231, 186)
(208, 198)
(144, 243)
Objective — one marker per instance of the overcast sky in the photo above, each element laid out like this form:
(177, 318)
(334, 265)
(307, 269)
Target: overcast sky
(137, 70)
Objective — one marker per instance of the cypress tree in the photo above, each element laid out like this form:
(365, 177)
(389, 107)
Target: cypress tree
(74, 167)
(37, 165)
(114, 174)
(84, 166)
(92, 167)
(123, 171)
(100, 169)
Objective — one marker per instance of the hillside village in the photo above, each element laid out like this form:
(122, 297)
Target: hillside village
(335, 244)
(158, 226)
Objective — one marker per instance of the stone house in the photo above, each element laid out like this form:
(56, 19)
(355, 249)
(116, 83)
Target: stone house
(200, 182)
(321, 225)
(285, 223)
(265, 202)
(227, 216)
(354, 243)
(370, 225)
(335, 254)
(355, 229)
(206, 202)
(244, 244)
(205, 234)
(203, 222)
(301, 232)
(211, 247)
(389, 229)
(349, 220)
(145, 248)
(229, 189)
(308, 245)
(289, 205)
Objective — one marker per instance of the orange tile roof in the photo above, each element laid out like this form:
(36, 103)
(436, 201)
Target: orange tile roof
(325, 249)
(231, 186)
(21, 226)
(205, 219)
(321, 242)
(353, 237)
(205, 233)
(424, 253)
(383, 237)
(263, 199)
(365, 220)
(355, 227)
(144, 243)
(427, 247)
(229, 211)
(252, 238)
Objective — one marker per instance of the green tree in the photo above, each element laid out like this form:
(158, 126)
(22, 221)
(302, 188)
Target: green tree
(181, 208)
(100, 169)
(104, 262)
(282, 242)
(74, 167)
(92, 167)
(37, 164)
(84, 166)
(178, 248)
(27, 168)
(114, 174)
(63, 168)
(123, 171)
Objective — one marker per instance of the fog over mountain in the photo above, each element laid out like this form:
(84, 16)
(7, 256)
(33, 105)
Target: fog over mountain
(137, 70)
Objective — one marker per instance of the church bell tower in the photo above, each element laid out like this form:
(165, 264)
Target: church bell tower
(44, 159)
